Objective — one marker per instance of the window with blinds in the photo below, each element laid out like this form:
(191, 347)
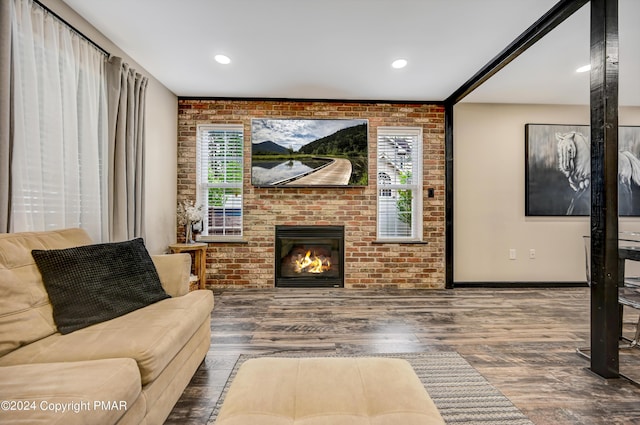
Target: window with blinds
(399, 183)
(219, 172)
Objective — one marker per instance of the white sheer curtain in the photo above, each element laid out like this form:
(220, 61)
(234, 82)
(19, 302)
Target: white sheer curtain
(60, 126)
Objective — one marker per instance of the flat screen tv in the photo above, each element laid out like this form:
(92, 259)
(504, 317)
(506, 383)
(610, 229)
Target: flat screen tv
(309, 152)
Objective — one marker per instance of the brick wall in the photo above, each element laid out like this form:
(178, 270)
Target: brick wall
(367, 264)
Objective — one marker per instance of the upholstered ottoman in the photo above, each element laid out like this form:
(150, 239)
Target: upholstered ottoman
(327, 391)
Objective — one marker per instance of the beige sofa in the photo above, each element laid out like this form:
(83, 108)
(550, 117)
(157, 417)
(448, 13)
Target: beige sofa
(127, 370)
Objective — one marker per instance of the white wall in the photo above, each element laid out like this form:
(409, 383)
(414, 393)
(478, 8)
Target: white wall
(489, 193)
(161, 172)
(161, 137)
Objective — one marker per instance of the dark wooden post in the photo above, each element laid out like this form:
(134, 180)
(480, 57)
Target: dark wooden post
(605, 317)
(448, 198)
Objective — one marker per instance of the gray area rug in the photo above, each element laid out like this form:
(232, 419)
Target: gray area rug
(461, 393)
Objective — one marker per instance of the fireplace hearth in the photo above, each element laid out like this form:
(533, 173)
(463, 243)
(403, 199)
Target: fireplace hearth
(309, 256)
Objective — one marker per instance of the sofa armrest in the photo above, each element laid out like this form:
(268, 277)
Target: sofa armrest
(174, 271)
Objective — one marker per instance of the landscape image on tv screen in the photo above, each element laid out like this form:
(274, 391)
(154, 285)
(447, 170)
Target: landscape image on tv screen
(309, 152)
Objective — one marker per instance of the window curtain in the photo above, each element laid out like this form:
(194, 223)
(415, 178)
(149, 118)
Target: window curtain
(5, 121)
(127, 92)
(59, 109)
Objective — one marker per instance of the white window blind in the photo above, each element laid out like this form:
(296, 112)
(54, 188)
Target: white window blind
(399, 183)
(219, 179)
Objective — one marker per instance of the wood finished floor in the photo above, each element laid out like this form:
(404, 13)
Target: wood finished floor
(522, 340)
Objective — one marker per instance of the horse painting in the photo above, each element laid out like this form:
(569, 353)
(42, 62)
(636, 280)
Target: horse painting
(574, 160)
(559, 170)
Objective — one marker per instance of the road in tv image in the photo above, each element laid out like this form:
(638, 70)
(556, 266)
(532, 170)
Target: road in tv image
(306, 152)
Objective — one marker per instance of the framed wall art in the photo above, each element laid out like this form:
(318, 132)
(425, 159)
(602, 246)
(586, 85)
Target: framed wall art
(558, 170)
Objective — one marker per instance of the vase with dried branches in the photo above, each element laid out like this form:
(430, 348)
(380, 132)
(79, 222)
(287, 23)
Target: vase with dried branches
(188, 215)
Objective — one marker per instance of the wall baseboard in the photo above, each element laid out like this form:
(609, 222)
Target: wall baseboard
(520, 285)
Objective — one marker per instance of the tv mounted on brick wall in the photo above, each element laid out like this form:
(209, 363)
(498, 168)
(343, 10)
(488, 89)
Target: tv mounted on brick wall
(309, 152)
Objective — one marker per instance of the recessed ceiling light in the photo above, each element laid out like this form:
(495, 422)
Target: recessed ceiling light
(222, 59)
(584, 68)
(399, 63)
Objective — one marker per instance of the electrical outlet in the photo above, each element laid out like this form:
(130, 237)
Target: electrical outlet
(532, 254)
(512, 254)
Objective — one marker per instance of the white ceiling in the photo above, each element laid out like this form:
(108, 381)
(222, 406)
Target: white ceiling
(342, 49)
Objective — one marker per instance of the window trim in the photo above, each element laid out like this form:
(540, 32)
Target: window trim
(203, 186)
(417, 216)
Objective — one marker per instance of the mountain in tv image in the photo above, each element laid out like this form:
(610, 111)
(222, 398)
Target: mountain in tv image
(268, 147)
(349, 142)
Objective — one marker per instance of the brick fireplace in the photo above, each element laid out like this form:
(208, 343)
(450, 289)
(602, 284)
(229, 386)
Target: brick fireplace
(368, 263)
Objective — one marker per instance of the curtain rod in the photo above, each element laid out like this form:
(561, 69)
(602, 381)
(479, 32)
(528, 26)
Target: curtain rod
(72, 28)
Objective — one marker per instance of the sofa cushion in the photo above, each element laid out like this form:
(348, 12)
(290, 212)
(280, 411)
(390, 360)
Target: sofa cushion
(25, 311)
(94, 283)
(174, 271)
(152, 336)
(76, 387)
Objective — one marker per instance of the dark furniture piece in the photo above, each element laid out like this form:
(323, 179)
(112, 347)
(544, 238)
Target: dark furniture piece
(628, 287)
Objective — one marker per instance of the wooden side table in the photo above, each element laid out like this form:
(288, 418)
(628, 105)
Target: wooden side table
(200, 259)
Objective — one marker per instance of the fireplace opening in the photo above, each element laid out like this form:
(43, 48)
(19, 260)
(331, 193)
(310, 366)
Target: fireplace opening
(309, 256)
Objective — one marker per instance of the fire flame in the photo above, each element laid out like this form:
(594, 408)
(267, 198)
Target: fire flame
(312, 265)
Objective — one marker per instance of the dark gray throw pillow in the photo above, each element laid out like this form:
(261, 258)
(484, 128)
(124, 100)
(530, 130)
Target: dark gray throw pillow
(94, 283)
